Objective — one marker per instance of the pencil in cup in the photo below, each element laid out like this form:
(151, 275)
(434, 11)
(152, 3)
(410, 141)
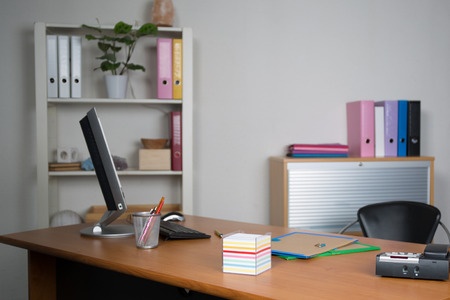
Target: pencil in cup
(146, 228)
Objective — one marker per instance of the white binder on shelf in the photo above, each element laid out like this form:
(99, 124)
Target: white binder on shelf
(75, 66)
(52, 66)
(64, 66)
(379, 132)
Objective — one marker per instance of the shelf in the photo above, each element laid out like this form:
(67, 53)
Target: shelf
(57, 126)
(78, 27)
(111, 101)
(128, 172)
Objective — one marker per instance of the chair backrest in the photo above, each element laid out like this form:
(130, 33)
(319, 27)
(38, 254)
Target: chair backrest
(405, 221)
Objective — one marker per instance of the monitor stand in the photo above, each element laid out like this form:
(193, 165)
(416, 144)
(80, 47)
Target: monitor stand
(110, 231)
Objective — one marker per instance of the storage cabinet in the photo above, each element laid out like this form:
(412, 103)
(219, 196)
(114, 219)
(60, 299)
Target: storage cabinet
(125, 122)
(325, 194)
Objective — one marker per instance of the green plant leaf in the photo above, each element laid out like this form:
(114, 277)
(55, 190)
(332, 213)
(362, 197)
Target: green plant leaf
(110, 38)
(115, 49)
(107, 66)
(98, 29)
(109, 56)
(147, 29)
(103, 46)
(127, 40)
(122, 39)
(135, 67)
(122, 28)
(90, 37)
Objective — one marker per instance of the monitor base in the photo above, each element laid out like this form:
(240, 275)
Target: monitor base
(110, 231)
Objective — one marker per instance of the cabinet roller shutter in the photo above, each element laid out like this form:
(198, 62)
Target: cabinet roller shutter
(326, 196)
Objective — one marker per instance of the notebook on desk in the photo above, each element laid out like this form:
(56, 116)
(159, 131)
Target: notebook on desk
(307, 244)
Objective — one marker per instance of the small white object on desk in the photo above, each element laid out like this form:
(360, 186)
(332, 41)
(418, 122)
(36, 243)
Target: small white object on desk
(245, 253)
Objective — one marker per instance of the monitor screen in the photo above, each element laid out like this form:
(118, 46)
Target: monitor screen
(107, 179)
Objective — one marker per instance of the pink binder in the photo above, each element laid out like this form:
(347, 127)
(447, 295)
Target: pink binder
(176, 140)
(164, 60)
(360, 128)
(390, 126)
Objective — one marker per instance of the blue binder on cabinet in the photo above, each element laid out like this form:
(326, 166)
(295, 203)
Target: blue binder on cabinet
(402, 128)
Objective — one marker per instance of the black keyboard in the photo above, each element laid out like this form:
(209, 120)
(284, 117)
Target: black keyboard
(171, 231)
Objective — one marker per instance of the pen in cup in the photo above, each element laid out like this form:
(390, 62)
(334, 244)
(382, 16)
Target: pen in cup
(160, 205)
(147, 228)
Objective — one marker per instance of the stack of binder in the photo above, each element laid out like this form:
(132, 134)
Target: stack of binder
(63, 66)
(389, 128)
(317, 150)
(170, 68)
(306, 245)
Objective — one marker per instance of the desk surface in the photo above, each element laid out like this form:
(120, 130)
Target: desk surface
(197, 265)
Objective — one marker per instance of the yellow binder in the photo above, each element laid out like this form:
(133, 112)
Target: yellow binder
(177, 68)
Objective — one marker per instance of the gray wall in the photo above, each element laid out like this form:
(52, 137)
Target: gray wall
(267, 73)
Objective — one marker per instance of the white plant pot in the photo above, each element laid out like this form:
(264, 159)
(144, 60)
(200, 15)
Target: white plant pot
(116, 86)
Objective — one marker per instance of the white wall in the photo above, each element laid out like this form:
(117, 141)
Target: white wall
(267, 73)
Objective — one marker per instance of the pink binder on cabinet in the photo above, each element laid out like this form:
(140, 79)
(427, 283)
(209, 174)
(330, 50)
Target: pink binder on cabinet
(360, 128)
(390, 126)
(164, 60)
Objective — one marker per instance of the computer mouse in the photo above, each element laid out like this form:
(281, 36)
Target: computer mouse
(173, 216)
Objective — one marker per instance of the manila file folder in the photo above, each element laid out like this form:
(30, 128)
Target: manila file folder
(307, 245)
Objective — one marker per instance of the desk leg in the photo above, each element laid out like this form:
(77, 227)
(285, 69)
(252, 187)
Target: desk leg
(41, 276)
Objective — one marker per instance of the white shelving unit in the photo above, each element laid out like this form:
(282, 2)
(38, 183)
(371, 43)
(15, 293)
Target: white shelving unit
(125, 121)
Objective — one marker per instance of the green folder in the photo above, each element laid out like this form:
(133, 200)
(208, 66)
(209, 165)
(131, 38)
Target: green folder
(351, 248)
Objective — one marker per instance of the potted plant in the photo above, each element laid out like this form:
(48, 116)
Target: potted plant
(117, 47)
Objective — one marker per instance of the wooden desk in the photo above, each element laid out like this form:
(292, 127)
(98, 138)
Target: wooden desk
(197, 265)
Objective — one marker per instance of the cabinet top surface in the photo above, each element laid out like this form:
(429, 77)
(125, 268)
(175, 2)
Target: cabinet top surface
(351, 159)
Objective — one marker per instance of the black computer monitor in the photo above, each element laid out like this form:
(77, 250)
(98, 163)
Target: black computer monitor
(107, 178)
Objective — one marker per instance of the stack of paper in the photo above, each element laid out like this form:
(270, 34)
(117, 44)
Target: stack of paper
(308, 245)
(73, 166)
(317, 150)
(246, 253)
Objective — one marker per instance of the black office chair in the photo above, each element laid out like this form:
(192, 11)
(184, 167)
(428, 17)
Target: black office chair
(406, 221)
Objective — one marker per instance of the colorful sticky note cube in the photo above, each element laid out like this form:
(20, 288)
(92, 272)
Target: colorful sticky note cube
(245, 253)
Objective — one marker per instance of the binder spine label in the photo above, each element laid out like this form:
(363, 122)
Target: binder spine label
(177, 63)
